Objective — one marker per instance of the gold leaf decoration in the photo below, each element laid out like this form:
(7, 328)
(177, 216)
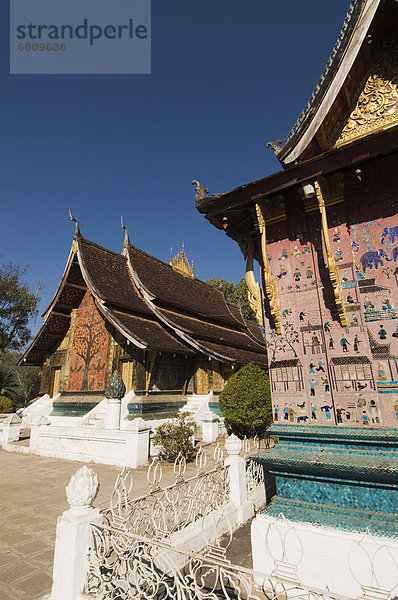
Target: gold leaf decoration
(376, 109)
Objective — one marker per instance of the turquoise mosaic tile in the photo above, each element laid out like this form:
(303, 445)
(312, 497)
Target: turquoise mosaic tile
(344, 519)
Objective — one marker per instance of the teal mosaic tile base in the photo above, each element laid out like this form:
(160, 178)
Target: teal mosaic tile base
(337, 518)
(71, 409)
(341, 477)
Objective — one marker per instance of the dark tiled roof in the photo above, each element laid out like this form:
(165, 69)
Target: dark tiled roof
(217, 333)
(108, 274)
(236, 355)
(173, 289)
(150, 332)
(193, 307)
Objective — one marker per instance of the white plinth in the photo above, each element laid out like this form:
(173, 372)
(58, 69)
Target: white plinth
(343, 562)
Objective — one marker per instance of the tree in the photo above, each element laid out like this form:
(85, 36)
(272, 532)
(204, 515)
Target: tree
(246, 401)
(18, 304)
(89, 335)
(235, 294)
(9, 386)
(25, 380)
(175, 437)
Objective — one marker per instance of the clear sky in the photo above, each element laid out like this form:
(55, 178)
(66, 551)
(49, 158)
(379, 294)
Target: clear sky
(227, 77)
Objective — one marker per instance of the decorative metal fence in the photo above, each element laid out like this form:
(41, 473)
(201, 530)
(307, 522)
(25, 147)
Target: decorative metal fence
(166, 510)
(254, 471)
(126, 566)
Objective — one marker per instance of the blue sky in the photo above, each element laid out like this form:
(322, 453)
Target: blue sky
(227, 77)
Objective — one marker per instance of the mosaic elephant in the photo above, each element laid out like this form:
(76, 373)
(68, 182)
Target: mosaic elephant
(372, 258)
(392, 232)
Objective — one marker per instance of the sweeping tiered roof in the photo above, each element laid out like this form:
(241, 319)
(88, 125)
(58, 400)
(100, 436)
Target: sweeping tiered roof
(148, 303)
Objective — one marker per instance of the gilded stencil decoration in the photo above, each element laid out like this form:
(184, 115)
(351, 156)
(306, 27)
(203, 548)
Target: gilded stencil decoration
(254, 291)
(333, 269)
(376, 109)
(270, 283)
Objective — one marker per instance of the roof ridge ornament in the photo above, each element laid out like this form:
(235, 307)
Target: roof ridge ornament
(72, 218)
(126, 241)
(201, 191)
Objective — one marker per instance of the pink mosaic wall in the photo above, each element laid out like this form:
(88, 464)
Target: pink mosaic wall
(322, 373)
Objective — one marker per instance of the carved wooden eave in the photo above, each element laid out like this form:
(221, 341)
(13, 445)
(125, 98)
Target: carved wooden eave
(352, 38)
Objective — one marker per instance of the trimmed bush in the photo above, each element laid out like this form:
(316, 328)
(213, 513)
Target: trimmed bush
(175, 436)
(6, 405)
(246, 402)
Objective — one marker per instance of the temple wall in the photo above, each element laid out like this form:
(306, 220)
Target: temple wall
(321, 372)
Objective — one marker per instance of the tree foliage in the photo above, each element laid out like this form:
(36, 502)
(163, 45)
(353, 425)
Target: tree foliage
(235, 294)
(6, 405)
(246, 401)
(20, 383)
(175, 436)
(18, 304)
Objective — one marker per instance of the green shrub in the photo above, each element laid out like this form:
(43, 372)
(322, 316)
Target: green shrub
(6, 405)
(175, 436)
(246, 401)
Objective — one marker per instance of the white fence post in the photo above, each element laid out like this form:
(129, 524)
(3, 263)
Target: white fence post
(11, 428)
(209, 427)
(113, 409)
(36, 422)
(137, 444)
(73, 536)
(237, 478)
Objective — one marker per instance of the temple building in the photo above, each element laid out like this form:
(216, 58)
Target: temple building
(325, 233)
(167, 333)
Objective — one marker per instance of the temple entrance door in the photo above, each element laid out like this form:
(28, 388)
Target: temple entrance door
(55, 381)
(202, 378)
(127, 372)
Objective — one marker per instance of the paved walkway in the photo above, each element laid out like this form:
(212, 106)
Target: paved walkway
(32, 496)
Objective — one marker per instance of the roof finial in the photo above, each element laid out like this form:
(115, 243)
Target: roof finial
(126, 237)
(72, 218)
(171, 255)
(201, 191)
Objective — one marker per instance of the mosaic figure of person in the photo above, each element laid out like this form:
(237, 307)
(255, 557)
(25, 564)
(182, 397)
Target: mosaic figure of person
(344, 343)
(325, 382)
(312, 368)
(350, 299)
(309, 273)
(382, 333)
(315, 343)
(386, 305)
(276, 412)
(291, 413)
(368, 306)
(331, 343)
(327, 410)
(313, 384)
(313, 412)
(339, 413)
(321, 364)
(364, 418)
(357, 341)
(297, 275)
(286, 413)
(374, 412)
(302, 315)
(381, 374)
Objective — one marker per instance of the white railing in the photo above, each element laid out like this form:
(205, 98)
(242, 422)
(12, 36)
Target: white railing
(128, 566)
(166, 510)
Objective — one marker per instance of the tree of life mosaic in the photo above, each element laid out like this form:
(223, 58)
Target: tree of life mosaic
(89, 349)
